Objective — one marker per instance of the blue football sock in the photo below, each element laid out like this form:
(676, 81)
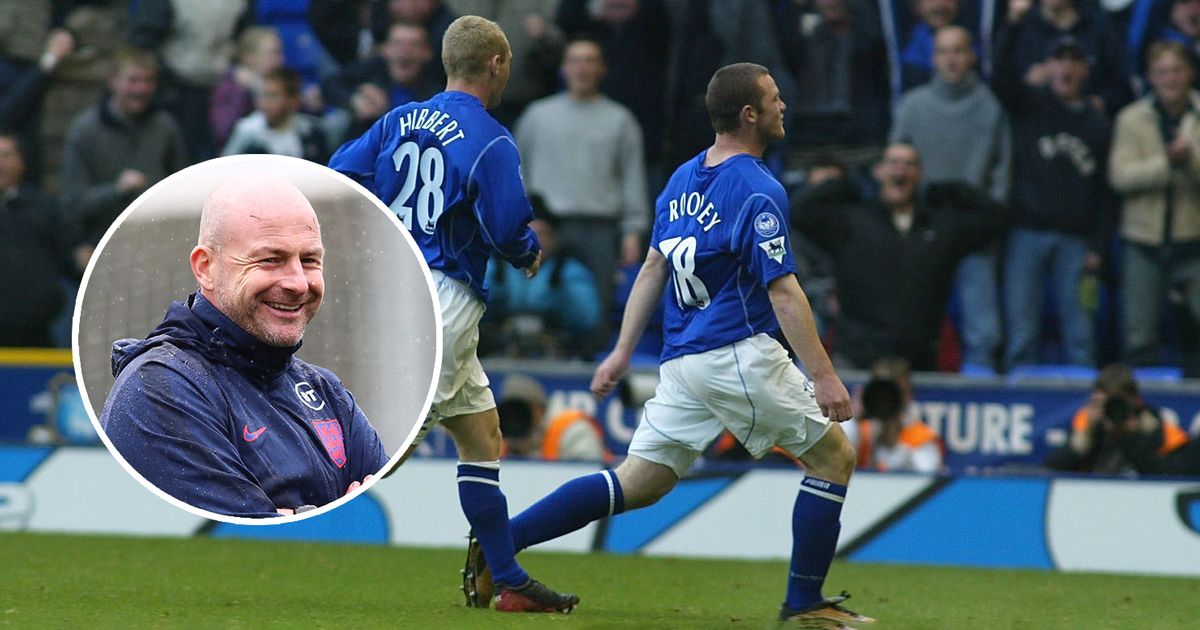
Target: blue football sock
(573, 505)
(487, 511)
(815, 528)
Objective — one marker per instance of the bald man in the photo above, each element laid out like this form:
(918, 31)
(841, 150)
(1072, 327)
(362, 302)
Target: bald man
(213, 407)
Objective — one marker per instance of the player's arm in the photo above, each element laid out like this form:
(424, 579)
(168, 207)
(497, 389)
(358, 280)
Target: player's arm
(796, 319)
(168, 428)
(502, 207)
(356, 159)
(761, 241)
(643, 300)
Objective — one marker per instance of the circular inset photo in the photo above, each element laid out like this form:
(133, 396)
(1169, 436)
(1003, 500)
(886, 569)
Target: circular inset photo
(257, 337)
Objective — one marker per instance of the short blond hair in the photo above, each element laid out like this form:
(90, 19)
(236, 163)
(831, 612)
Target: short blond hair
(470, 42)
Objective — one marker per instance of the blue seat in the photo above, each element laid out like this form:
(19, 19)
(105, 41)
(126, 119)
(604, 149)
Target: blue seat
(1052, 371)
(1158, 374)
(976, 370)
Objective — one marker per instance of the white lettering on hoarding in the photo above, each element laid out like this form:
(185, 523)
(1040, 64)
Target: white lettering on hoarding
(981, 428)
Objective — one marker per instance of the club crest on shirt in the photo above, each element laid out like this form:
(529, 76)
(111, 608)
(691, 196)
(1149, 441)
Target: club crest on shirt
(775, 249)
(766, 225)
(330, 432)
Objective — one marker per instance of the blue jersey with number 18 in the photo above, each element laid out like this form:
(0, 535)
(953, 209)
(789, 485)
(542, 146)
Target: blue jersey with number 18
(451, 173)
(723, 233)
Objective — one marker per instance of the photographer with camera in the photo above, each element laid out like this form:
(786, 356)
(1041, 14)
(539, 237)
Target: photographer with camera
(887, 433)
(912, 447)
(1117, 432)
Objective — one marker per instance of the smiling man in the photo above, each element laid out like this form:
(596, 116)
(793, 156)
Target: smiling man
(213, 407)
(894, 255)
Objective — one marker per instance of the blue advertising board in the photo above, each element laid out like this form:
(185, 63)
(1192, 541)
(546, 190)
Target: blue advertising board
(984, 423)
(39, 398)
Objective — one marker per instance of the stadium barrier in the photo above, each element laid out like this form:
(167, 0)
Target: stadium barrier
(985, 424)
(1051, 523)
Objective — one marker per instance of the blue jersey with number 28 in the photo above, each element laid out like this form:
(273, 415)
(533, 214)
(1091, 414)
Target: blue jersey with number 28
(451, 173)
(723, 233)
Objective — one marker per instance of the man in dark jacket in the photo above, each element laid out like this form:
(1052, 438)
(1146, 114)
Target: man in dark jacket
(1059, 200)
(33, 256)
(213, 408)
(895, 256)
(118, 148)
(401, 73)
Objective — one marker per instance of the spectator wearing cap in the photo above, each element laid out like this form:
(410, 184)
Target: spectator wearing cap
(557, 313)
(958, 127)
(571, 435)
(1155, 167)
(1028, 33)
(1061, 202)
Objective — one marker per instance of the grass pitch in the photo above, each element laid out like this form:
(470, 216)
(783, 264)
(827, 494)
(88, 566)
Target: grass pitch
(77, 581)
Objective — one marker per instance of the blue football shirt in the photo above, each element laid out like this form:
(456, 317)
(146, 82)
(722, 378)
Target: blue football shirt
(451, 173)
(723, 233)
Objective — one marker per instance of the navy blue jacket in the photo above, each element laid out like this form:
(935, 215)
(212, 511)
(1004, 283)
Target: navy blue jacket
(228, 424)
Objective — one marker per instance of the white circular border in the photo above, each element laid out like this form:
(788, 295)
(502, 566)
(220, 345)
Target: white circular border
(437, 351)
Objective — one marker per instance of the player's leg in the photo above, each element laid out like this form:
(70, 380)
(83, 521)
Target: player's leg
(815, 528)
(492, 565)
(816, 515)
(673, 430)
(477, 438)
(635, 483)
(764, 400)
(467, 410)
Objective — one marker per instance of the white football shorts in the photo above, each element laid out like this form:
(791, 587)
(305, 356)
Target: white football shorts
(462, 385)
(750, 387)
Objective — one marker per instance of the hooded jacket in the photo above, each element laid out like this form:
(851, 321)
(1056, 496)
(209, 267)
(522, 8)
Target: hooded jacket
(228, 424)
(100, 145)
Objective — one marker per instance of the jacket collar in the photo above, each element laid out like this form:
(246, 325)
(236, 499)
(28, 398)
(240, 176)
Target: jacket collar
(227, 343)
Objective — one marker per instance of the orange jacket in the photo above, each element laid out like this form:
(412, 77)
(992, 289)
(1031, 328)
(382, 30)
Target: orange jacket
(559, 424)
(1173, 436)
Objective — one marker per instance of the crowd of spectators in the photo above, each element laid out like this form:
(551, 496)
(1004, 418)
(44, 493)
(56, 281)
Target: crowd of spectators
(964, 172)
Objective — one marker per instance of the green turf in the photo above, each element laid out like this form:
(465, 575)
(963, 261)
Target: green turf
(75, 581)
